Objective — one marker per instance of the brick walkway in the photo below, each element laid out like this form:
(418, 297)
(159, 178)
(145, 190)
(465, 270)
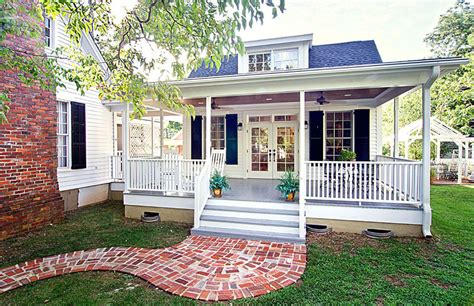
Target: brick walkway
(204, 268)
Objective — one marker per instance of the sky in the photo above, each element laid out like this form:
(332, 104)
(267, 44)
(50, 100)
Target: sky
(397, 26)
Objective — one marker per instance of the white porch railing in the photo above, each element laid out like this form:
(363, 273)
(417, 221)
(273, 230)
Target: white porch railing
(202, 191)
(165, 175)
(116, 163)
(373, 181)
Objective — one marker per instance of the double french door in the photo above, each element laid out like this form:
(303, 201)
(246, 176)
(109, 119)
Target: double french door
(273, 149)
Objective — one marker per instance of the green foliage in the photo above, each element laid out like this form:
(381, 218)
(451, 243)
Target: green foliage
(452, 96)
(218, 181)
(173, 128)
(289, 183)
(182, 34)
(4, 101)
(347, 155)
(451, 36)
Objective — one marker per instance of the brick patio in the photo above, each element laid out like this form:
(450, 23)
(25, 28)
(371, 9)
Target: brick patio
(204, 268)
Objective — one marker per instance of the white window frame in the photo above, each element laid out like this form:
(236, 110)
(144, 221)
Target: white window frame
(51, 32)
(325, 146)
(272, 59)
(282, 61)
(223, 132)
(67, 135)
(263, 53)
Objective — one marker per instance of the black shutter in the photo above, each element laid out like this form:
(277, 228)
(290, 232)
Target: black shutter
(316, 124)
(362, 134)
(196, 137)
(231, 145)
(78, 135)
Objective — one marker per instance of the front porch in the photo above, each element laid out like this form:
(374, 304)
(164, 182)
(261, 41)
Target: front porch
(291, 126)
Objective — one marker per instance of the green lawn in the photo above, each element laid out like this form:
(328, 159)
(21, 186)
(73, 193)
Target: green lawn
(341, 267)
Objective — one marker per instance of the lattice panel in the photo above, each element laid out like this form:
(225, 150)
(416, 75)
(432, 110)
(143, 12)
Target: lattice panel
(140, 139)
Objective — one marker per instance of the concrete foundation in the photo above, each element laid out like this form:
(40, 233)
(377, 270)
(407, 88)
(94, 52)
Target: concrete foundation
(400, 230)
(166, 214)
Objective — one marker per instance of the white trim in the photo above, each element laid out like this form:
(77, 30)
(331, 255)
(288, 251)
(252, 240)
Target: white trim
(364, 214)
(279, 40)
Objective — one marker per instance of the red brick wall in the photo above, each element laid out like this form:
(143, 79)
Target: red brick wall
(29, 194)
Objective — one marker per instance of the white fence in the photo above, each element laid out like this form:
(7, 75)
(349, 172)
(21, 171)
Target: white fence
(165, 175)
(116, 162)
(202, 191)
(373, 181)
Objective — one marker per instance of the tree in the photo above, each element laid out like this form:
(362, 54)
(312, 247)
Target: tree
(182, 33)
(453, 94)
(451, 36)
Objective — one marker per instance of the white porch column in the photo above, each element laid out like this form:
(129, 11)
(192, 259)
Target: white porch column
(208, 127)
(161, 133)
(302, 167)
(460, 162)
(125, 146)
(152, 136)
(395, 128)
(426, 159)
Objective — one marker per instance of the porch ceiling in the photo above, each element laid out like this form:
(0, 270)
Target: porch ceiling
(331, 96)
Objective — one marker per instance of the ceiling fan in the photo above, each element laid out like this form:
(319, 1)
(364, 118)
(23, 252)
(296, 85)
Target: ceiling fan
(215, 106)
(322, 100)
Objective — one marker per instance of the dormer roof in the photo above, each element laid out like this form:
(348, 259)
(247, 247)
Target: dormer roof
(351, 53)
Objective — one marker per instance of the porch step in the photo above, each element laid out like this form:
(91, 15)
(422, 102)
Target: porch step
(254, 221)
(253, 204)
(256, 213)
(245, 234)
(251, 219)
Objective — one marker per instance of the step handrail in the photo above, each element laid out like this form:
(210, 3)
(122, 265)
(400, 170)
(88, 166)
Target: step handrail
(202, 191)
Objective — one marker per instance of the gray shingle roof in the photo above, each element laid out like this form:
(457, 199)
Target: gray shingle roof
(320, 56)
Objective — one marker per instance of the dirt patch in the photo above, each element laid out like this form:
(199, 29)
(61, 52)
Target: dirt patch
(339, 242)
(440, 284)
(395, 280)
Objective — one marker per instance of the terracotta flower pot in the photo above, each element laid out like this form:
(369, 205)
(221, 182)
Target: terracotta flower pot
(290, 197)
(217, 193)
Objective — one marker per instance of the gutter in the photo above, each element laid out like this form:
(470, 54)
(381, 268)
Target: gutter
(385, 67)
(427, 214)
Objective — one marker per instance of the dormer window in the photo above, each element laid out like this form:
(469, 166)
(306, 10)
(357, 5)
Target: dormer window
(283, 59)
(260, 62)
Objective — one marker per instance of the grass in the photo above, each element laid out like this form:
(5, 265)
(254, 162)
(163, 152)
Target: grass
(341, 268)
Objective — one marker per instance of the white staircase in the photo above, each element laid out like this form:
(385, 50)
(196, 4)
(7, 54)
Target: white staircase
(270, 221)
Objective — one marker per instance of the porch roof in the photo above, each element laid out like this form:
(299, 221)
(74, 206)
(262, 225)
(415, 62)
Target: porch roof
(390, 78)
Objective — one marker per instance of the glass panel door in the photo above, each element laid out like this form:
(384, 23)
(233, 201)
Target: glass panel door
(284, 157)
(259, 151)
(272, 149)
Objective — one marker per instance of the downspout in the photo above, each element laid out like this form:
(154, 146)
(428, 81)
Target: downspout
(426, 218)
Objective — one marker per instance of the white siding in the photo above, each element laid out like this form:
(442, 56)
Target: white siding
(99, 144)
(240, 170)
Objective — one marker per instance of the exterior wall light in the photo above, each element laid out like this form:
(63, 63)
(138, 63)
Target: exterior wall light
(306, 125)
(239, 126)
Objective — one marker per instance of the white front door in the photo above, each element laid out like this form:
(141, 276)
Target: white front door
(273, 149)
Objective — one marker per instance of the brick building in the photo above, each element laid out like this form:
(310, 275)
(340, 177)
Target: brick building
(29, 194)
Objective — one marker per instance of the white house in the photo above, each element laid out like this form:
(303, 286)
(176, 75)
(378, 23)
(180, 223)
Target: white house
(285, 105)
(85, 131)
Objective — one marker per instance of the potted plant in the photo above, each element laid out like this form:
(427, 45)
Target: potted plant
(218, 183)
(289, 186)
(347, 155)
